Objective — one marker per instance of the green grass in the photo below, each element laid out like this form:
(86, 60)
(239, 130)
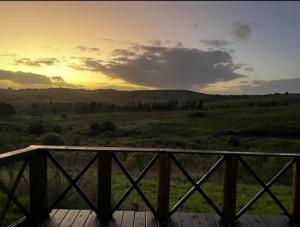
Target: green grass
(241, 128)
(256, 128)
(179, 188)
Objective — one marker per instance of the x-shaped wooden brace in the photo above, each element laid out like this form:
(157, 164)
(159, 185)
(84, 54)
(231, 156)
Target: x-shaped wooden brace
(266, 188)
(11, 195)
(72, 182)
(134, 183)
(196, 185)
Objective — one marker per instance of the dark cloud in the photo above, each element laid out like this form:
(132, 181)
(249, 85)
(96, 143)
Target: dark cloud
(215, 43)
(33, 80)
(249, 69)
(87, 49)
(89, 64)
(123, 52)
(37, 62)
(242, 31)
(167, 67)
(57, 79)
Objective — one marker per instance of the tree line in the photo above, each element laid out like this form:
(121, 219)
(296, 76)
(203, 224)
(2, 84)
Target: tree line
(39, 109)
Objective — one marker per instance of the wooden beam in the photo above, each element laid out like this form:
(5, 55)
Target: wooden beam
(104, 185)
(164, 175)
(229, 188)
(38, 188)
(296, 192)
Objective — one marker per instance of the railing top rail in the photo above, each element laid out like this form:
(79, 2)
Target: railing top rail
(22, 153)
(16, 154)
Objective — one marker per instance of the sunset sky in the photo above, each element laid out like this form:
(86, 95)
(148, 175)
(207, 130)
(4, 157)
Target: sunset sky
(211, 47)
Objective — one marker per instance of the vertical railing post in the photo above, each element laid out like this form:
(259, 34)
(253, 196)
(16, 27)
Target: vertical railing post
(104, 185)
(163, 193)
(38, 187)
(296, 192)
(229, 188)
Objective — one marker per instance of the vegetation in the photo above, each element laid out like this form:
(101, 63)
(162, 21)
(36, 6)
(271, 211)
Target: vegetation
(6, 110)
(242, 124)
(51, 138)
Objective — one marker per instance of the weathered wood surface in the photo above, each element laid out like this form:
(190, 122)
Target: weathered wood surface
(11, 156)
(86, 218)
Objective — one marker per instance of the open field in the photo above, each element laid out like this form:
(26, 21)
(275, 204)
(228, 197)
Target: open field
(237, 127)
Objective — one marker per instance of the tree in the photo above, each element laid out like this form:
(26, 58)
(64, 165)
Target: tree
(6, 110)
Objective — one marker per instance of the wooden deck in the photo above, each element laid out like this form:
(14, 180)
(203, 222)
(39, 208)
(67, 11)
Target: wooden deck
(86, 218)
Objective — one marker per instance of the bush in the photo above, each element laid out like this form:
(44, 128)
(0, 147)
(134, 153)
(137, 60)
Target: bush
(232, 140)
(197, 115)
(96, 129)
(51, 138)
(36, 128)
(6, 110)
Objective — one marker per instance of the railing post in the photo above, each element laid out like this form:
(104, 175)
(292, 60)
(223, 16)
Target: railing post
(229, 188)
(296, 192)
(104, 185)
(38, 187)
(164, 174)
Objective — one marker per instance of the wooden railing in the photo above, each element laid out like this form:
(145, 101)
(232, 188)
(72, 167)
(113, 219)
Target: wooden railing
(35, 157)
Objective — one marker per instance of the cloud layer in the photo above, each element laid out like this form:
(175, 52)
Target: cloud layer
(268, 87)
(32, 80)
(87, 49)
(166, 67)
(242, 31)
(36, 62)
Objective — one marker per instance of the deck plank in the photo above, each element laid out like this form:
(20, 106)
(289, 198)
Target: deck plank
(91, 220)
(175, 220)
(209, 220)
(81, 218)
(87, 218)
(69, 218)
(197, 220)
(128, 219)
(116, 219)
(254, 220)
(139, 219)
(150, 220)
(186, 219)
(56, 219)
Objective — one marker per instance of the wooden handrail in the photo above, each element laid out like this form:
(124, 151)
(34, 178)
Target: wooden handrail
(36, 156)
(21, 154)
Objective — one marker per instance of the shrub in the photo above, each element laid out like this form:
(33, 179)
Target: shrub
(51, 138)
(233, 141)
(96, 129)
(197, 115)
(6, 110)
(36, 128)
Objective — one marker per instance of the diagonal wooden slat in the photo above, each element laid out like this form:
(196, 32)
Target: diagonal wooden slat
(142, 195)
(13, 190)
(198, 188)
(199, 183)
(137, 181)
(265, 188)
(70, 179)
(13, 198)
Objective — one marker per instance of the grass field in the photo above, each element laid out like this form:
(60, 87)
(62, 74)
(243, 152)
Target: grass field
(261, 129)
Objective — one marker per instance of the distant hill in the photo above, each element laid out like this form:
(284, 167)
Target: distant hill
(65, 95)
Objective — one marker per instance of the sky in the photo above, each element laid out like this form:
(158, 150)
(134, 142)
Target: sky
(210, 47)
